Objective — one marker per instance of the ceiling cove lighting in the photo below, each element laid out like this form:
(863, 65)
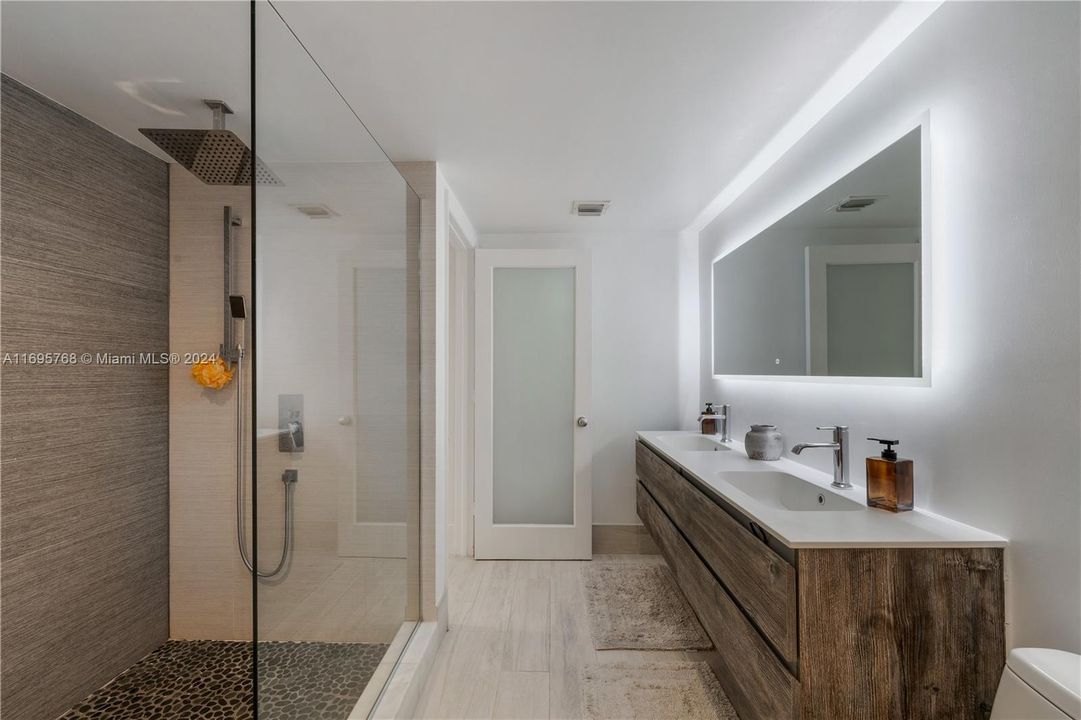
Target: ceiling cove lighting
(886, 38)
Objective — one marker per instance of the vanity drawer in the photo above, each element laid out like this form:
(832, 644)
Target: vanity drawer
(756, 682)
(761, 581)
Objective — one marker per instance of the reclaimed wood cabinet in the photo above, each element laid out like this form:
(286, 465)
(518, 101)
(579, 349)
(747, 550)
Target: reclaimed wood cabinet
(836, 633)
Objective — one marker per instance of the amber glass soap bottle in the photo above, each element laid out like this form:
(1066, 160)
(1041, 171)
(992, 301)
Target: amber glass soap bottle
(889, 479)
(708, 420)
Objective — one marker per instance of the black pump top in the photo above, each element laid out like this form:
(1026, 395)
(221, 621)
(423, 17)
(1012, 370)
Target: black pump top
(709, 409)
(889, 453)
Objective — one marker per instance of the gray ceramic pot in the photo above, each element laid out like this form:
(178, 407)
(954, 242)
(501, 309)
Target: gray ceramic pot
(764, 442)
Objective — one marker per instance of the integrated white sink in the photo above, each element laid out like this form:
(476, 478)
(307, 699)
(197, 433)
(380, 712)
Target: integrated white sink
(795, 503)
(691, 443)
(787, 492)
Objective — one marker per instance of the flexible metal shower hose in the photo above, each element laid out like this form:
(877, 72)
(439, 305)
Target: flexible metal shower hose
(241, 513)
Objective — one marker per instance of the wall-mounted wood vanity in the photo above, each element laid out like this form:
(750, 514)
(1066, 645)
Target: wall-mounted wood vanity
(894, 632)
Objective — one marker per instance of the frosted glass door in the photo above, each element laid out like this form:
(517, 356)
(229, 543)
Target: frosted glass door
(872, 318)
(533, 395)
(863, 310)
(532, 365)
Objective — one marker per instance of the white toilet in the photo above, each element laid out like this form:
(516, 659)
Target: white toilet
(1039, 684)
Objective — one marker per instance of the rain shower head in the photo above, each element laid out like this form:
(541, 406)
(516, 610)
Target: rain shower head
(216, 156)
(237, 307)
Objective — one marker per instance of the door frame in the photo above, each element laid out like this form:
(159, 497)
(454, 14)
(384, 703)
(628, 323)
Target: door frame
(533, 542)
(460, 371)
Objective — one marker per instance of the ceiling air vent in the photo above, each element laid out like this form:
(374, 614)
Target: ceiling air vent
(316, 212)
(855, 203)
(589, 208)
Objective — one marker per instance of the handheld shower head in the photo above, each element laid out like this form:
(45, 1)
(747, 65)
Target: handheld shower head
(238, 308)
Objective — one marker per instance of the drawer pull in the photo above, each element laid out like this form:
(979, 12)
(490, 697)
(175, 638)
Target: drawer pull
(757, 531)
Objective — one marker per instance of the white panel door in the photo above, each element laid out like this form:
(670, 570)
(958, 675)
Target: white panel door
(533, 455)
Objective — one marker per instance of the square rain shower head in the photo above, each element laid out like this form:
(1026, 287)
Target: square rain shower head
(217, 157)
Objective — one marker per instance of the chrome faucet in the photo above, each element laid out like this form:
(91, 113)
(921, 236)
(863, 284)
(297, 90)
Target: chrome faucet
(722, 417)
(840, 453)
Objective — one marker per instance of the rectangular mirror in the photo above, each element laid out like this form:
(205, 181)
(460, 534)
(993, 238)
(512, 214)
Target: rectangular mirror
(834, 288)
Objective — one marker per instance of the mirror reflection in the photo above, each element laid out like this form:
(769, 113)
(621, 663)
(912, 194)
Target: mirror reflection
(833, 288)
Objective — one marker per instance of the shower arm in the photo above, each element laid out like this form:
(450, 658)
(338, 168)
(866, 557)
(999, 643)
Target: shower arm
(220, 110)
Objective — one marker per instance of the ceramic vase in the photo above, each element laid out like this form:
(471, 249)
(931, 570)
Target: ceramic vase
(764, 442)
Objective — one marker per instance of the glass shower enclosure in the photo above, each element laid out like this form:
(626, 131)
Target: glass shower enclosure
(335, 344)
(195, 191)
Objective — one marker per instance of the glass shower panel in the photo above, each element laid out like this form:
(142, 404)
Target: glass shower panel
(336, 353)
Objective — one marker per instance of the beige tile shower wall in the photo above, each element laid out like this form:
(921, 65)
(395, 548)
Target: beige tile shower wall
(337, 587)
(85, 520)
(210, 591)
(332, 328)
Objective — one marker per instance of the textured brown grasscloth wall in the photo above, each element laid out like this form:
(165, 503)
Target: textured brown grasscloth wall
(84, 536)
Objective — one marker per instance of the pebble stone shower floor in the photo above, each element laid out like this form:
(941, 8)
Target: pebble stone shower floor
(211, 680)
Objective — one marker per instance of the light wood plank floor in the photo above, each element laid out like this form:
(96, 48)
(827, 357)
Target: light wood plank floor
(519, 635)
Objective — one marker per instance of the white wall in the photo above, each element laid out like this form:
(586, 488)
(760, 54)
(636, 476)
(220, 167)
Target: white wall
(690, 345)
(635, 295)
(995, 436)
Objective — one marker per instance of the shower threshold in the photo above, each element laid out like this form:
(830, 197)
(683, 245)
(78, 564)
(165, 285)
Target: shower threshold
(211, 679)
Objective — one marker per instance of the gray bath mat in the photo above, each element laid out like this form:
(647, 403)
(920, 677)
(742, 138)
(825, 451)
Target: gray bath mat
(684, 690)
(636, 606)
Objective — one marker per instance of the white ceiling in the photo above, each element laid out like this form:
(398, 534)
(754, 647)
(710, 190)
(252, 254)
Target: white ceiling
(127, 65)
(527, 106)
(167, 55)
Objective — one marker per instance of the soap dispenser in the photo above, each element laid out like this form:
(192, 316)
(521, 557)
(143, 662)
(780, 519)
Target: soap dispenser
(889, 479)
(708, 420)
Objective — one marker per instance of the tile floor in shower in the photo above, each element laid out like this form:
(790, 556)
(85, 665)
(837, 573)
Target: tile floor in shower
(211, 680)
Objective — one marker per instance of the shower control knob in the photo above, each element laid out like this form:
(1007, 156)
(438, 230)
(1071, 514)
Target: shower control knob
(345, 420)
(582, 421)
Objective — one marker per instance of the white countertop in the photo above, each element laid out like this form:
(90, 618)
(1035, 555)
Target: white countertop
(862, 527)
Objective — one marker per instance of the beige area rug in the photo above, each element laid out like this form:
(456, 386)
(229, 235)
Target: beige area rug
(654, 691)
(636, 606)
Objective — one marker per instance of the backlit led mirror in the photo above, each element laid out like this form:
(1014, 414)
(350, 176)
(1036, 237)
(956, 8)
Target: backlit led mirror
(834, 288)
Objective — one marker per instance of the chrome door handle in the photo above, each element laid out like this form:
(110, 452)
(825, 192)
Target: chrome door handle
(582, 421)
